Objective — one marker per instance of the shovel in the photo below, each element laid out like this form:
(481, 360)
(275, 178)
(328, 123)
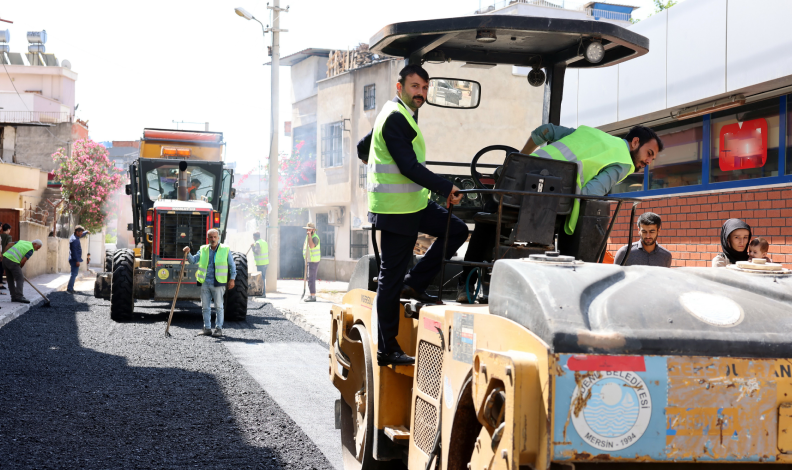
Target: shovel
(46, 300)
(176, 296)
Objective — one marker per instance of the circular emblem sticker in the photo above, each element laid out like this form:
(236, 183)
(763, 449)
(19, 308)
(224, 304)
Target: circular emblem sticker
(611, 410)
(711, 308)
(163, 274)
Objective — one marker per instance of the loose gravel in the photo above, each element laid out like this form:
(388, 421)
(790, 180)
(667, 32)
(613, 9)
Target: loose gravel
(78, 390)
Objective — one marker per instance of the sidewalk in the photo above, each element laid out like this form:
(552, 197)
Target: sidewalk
(46, 283)
(313, 317)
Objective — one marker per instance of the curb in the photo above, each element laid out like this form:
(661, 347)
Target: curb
(6, 318)
(298, 319)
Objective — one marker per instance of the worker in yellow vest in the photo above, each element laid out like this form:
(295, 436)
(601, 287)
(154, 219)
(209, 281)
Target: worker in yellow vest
(399, 207)
(216, 272)
(312, 252)
(603, 161)
(14, 259)
(261, 256)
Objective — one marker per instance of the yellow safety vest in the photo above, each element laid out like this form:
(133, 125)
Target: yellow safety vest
(592, 150)
(390, 192)
(262, 259)
(220, 263)
(18, 251)
(316, 255)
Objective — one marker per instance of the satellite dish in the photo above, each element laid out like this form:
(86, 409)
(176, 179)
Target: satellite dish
(66, 64)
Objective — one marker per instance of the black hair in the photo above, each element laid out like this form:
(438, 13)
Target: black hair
(256, 235)
(649, 218)
(6, 227)
(644, 135)
(413, 69)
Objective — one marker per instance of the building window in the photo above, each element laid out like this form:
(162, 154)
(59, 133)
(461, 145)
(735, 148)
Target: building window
(744, 142)
(369, 97)
(362, 175)
(326, 234)
(358, 246)
(331, 144)
(679, 164)
(304, 148)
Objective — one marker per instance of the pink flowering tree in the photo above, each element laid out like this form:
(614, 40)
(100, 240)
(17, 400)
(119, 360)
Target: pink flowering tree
(88, 182)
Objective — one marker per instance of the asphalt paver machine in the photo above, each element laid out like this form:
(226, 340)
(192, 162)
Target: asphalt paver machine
(180, 189)
(573, 363)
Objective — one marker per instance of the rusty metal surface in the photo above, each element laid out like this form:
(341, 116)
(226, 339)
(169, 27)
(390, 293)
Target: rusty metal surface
(671, 408)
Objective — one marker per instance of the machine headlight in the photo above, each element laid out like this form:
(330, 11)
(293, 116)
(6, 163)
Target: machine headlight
(467, 184)
(595, 52)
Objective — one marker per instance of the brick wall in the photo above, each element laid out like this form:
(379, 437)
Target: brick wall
(691, 224)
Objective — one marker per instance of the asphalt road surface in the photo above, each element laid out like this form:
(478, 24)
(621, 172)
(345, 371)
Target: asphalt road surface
(78, 390)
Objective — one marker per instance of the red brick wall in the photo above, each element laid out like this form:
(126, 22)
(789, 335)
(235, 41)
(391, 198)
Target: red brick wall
(691, 224)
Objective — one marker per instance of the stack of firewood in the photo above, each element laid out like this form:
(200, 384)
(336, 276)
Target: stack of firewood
(342, 61)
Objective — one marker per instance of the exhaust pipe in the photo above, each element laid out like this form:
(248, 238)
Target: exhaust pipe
(184, 182)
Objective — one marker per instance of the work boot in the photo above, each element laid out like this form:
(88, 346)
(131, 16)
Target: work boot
(410, 293)
(21, 300)
(395, 358)
(218, 333)
(205, 332)
(69, 291)
(310, 298)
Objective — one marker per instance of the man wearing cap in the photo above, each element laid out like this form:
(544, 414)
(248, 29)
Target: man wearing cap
(14, 259)
(216, 271)
(261, 255)
(75, 255)
(311, 252)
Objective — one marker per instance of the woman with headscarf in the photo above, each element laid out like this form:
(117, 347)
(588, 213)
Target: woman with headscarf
(735, 235)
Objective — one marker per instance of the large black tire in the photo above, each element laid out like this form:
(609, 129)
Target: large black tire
(109, 260)
(121, 288)
(236, 299)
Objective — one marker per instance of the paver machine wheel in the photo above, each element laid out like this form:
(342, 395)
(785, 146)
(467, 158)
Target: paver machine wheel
(108, 266)
(236, 299)
(122, 286)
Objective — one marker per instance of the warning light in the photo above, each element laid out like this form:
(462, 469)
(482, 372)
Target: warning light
(150, 217)
(183, 152)
(168, 152)
(216, 219)
(176, 152)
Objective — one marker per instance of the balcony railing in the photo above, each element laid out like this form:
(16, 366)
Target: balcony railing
(43, 117)
(607, 15)
(558, 4)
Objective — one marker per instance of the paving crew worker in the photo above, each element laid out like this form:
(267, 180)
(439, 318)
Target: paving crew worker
(75, 255)
(261, 256)
(14, 259)
(399, 207)
(602, 159)
(312, 251)
(216, 270)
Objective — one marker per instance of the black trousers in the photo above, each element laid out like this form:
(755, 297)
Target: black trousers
(16, 280)
(396, 253)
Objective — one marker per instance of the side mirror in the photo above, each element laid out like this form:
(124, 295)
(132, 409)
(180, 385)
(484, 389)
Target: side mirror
(233, 193)
(454, 93)
(129, 190)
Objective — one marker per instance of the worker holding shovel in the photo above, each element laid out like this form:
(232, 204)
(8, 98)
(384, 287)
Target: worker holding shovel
(216, 272)
(312, 255)
(14, 259)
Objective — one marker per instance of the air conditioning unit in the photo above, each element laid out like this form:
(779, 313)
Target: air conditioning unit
(335, 216)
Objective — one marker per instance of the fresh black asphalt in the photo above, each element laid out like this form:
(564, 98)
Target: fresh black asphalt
(78, 390)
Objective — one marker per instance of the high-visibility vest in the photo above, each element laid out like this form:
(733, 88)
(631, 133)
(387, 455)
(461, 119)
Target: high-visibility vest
(262, 258)
(316, 255)
(390, 192)
(18, 251)
(592, 150)
(220, 263)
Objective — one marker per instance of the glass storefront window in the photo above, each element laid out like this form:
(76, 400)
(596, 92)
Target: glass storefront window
(632, 183)
(679, 164)
(789, 136)
(744, 142)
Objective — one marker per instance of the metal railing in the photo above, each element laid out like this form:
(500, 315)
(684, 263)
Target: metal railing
(608, 15)
(43, 117)
(504, 3)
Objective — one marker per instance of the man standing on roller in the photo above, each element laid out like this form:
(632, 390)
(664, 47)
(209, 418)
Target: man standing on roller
(399, 207)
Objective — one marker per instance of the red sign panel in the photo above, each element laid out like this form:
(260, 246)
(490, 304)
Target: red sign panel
(743, 146)
(607, 363)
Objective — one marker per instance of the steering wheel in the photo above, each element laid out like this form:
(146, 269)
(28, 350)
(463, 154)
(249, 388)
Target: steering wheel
(475, 174)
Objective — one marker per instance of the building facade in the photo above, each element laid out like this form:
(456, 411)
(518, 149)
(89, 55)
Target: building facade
(716, 87)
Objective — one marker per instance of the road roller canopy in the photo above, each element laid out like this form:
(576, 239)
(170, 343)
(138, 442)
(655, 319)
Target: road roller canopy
(601, 308)
(516, 40)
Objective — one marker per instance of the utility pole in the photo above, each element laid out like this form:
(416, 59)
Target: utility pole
(274, 230)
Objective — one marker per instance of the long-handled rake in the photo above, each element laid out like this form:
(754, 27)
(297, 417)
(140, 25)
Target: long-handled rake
(176, 296)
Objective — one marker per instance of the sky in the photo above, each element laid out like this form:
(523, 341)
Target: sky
(149, 63)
